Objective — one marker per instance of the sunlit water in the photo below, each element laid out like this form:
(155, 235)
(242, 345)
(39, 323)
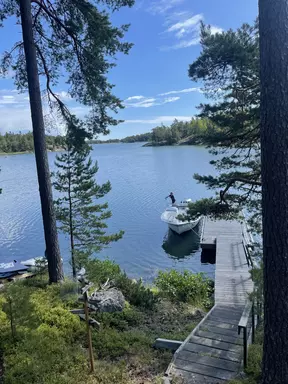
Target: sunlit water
(140, 178)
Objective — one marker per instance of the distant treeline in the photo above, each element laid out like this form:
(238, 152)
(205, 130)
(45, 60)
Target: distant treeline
(130, 139)
(23, 142)
(181, 132)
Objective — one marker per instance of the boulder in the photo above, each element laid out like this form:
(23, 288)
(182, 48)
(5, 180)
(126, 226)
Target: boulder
(111, 300)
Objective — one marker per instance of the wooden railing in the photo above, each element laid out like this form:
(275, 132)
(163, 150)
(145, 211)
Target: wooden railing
(247, 241)
(203, 228)
(244, 326)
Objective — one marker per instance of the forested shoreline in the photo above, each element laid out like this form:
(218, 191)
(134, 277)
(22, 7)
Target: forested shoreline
(23, 142)
(191, 132)
(178, 133)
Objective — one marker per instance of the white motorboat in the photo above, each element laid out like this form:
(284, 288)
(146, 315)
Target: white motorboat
(170, 217)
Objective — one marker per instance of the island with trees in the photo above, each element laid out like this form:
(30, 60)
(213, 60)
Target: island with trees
(191, 132)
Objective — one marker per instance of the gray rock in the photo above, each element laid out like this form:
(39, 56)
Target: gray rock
(111, 300)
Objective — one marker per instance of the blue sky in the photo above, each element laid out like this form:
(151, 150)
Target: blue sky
(152, 80)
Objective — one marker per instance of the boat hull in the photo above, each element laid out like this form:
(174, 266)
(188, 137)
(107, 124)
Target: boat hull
(185, 227)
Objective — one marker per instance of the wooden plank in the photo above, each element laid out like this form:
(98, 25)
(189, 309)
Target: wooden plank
(86, 288)
(221, 324)
(245, 316)
(213, 352)
(215, 362)
(92, 322)
(236, 309)
(204, 370)
(77, 311)
(215, 344)
(227, 314)
(193, 378)
(215, 336)
(214, 349)
(223, 320)
(173, 345)
(220, 331)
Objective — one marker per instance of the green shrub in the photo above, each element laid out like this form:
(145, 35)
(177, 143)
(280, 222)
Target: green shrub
(136, 293)
(254, 364)
(130, 317)
(254, 361)
(112, 344)
(99, 271)
(42, 356)
(186, 287)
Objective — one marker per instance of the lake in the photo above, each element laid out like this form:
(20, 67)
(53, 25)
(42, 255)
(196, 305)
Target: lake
(141, 178)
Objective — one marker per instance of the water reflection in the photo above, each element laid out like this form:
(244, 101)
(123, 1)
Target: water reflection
(181, 246)
(208, 256)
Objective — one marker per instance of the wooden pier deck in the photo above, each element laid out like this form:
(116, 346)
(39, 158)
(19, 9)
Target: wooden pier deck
(213, 352)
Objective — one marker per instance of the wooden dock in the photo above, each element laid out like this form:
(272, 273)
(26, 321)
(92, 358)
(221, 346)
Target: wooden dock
(213, 352)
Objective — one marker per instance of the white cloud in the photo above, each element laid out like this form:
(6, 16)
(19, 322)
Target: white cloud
(215, 29)
(15, 110)
(188, 26)
(185, 30)
(162, 6)
(159, 120)
(135, 98)
(170, 99)
(15, 119)
(186, 90)
(64, 95)
(182, 44)
(10, 96)
(10, 74)
(147, 102)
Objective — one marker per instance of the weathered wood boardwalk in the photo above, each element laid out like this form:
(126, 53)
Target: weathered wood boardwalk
(213, 352)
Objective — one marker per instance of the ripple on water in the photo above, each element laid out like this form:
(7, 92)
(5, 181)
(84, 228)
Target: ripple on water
(140, 178)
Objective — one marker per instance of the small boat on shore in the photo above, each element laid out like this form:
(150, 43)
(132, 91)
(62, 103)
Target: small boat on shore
(171, 214)
(11, 269)
(14, 268)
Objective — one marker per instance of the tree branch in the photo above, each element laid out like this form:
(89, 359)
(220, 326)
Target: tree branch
(62, 25)
(62, 106)
(241, 180)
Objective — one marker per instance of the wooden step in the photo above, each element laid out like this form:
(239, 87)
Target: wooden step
(215, 344)
(215, 362)
(212, 352)
(216, 373)
(213, 336)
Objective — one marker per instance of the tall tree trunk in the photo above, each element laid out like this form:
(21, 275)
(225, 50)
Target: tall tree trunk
(273, 18)
(45, 189)
(71, 228)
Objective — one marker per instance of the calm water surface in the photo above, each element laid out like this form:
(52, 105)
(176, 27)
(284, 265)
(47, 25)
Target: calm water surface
(140, 178)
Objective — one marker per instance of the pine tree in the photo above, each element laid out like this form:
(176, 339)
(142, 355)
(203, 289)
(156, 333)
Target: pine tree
(228, 67)
(63, 38)
(77, 212)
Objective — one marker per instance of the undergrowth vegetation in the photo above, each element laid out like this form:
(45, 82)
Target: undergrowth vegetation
(185, 287)
(42, 342)
(253, 370)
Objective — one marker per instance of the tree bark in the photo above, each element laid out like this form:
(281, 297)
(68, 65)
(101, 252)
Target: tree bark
(273, 19)
(45, 189)
(71, 228)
